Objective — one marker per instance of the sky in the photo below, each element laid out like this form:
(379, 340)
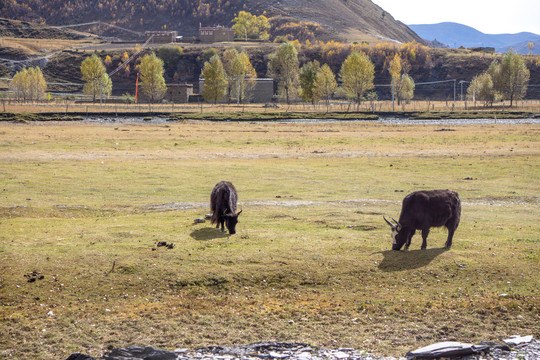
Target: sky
(487, 16)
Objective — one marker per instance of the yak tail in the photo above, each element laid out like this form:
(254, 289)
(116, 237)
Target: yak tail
(214, 218)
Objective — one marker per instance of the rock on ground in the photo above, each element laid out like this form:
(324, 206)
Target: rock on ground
(298, 351)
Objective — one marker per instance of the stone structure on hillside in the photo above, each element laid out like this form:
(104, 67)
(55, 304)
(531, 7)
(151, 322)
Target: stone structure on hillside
(484, 49)
(216, 34)
(178, 93)
(162, 37)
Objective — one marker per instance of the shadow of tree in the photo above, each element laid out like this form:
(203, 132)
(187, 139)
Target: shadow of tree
(410, 259)
(208, 233)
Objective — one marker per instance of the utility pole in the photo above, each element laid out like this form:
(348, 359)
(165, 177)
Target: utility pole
(454, 92)
(100, 98)
(136, 87)
(392, 94)
(238, 89)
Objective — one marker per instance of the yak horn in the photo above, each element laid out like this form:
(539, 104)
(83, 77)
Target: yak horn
(389, 223)
(398, 225)
(239, 212)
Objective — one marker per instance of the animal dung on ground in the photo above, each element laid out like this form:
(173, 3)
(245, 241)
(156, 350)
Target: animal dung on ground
(165, 244)
(199, 220)
(33, 276)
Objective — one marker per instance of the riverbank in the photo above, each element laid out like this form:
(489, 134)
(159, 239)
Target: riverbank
(264, 116)
(258, 111)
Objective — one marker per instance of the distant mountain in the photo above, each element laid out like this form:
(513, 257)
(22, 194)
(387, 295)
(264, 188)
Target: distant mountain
(345, 20)
(456, 35)
(523, 48)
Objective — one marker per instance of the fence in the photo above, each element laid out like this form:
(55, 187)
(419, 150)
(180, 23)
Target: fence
(334, 106)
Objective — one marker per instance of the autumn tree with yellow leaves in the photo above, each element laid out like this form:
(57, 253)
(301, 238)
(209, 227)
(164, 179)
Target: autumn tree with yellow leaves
(28, 84)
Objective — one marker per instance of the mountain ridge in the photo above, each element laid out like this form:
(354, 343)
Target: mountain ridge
(456, 35)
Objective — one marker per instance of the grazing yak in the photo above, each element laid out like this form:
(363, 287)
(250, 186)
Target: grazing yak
(223, 204)
(422, 210)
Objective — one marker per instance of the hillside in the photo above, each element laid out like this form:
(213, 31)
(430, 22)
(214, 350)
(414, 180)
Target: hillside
(28, 30)
(346, 20)
(424, 64)
(456, 35)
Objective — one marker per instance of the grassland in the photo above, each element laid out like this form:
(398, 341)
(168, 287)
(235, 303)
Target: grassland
(84, 205)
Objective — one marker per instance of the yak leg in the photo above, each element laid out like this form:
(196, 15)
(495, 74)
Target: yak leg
(425, 233)
(450, 236)
(219, 223)
(222, 225)
(409, 238)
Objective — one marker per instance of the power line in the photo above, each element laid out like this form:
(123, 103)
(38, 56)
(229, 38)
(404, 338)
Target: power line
(64, 84)
(75, 25)
(421, 83)
(121, 66)
(435, 82)
(98, 23)
(50, 83)
(46, 57)
(72, 25)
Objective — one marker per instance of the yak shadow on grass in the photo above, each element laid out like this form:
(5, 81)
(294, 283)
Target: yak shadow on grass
(208, 233)
(407, 260)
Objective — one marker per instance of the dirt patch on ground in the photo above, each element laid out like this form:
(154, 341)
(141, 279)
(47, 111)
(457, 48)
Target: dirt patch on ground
(349, 202)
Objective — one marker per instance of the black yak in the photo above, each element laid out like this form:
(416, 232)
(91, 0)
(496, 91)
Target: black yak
(422, 210)
(223, 204)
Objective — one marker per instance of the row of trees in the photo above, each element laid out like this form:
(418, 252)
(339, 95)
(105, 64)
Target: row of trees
(507, 79)
(29, 84)
(402, 83)
(233, 76)
(98, 82)
(248, 26)
(314, 82)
